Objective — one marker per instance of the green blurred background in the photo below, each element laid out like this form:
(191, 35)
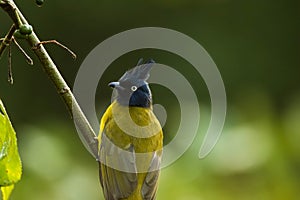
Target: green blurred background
(256, 47)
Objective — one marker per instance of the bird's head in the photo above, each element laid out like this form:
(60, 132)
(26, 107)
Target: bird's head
(132, 88)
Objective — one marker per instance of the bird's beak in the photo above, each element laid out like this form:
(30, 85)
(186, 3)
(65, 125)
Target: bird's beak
(115, 85)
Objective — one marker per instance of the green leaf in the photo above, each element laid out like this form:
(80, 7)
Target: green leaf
(6, 191)
(10, 162)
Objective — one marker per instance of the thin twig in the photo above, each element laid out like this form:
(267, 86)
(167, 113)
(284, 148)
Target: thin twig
(5, 42)
(27, 57)
(59, 44)
(10, 75)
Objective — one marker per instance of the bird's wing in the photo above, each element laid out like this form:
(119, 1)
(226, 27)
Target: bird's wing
(118, 173)
(150, 184)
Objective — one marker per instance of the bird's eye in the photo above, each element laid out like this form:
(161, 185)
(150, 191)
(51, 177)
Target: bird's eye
(133, 88)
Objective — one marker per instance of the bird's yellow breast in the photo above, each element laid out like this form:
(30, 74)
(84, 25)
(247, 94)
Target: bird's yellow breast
(141, 117)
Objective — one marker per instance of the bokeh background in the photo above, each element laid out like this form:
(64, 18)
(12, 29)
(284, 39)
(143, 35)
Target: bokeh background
(256, 47)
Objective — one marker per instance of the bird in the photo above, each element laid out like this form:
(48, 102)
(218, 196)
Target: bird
(130, 139)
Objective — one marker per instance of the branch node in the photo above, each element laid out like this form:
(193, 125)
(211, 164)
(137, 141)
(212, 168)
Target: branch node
(5, 42)
(64, 90)
(38, 45)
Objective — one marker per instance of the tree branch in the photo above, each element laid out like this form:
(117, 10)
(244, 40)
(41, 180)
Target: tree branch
(51, 70)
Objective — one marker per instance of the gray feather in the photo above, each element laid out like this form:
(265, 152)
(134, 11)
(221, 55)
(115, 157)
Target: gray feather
(117, 184)
(140, 72)
(149, 187)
